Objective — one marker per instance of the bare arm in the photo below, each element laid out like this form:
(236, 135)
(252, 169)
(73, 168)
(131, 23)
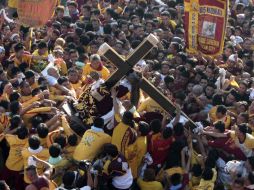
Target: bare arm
(48, 168)
(178, 115)
(90, 181)
(214, 134)
(63, 89)
(26, 109)
(115, 103)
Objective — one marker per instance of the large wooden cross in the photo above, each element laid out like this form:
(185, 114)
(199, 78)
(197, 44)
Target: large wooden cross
(125, 65)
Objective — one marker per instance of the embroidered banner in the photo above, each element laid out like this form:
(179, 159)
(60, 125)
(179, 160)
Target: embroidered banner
(205, 26)
(36, 13)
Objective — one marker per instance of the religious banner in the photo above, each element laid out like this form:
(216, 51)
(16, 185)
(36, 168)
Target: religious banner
(36, 13)
(205, 26)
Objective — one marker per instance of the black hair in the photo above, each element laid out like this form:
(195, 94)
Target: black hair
(176, 179)
(73, 140)
(3, 84)
(149, 174)
(245, 116)
(34, 142)
(99, 122)
(5, 104)
(107, 29)
(42, 130)
(180, 95)
(167, 132)
(61, 140)
(178, 129)
(15, 71)
(14, 96)
(15, 121)
(207, 174)
(243, 128)
(40, 80)
(55, 150)
(210, 162)
(62, 79)
(220, 126)
(128, 118)
(84, 40)
(23, 66)
(168, 79)
(221, 109)
(18, 47)
(68, 179)
(219, 186)
(36, 120)
(217, 100)
(36, 91)
(29, 74)
(14, 107)
(42, 44)
(78, 31)
(234, 93)
(155, 125)
(22, 132)
(143, 128)
(110, 149)
(196, 170)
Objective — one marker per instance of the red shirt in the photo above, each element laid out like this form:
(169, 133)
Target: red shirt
(227, 145)
(158, 148)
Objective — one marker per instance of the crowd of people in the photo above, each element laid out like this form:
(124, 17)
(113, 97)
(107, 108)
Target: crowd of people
(62, 126)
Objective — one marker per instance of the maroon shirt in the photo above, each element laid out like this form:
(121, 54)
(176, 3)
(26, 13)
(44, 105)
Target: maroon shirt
(226, 145)
(41, 182)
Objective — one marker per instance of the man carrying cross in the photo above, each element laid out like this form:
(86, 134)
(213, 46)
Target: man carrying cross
(99, 101)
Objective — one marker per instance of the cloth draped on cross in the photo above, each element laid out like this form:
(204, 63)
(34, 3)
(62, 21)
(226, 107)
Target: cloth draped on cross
(86, 106)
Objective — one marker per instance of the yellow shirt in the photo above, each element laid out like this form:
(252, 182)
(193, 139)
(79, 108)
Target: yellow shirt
(207, 184)
(77, 87)
(43, 155)
(214, 119)
(25, 59)
(171, 22)
(142, 148)
(13, 3)
(246, 146)
(149, 185)
(119, 136)
(28, 100)
(91, 144)
(4, 122)
(35, 85)
(149, 105)
(39, 65)
(104, 72)
(61, 65)
(15, 161)
(69, 151)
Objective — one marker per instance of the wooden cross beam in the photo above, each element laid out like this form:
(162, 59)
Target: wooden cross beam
(125, 65)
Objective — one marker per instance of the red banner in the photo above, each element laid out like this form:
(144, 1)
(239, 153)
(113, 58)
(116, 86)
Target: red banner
(36, 13)
(205, 26)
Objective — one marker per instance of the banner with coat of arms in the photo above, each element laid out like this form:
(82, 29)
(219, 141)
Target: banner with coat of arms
(205, 26)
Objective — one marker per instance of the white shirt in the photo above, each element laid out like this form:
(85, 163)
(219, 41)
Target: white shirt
(83, 188)
(182, 120)
(51, 80)
(123, 182)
